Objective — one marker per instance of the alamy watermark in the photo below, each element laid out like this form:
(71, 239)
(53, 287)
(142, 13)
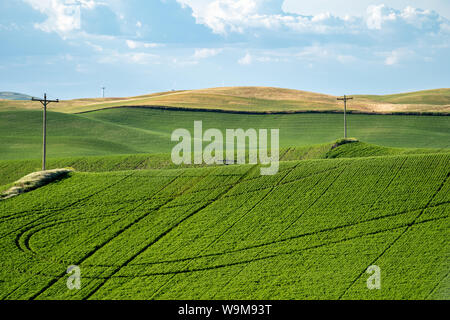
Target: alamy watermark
(232, 149)
(74, 280)
(374, 281)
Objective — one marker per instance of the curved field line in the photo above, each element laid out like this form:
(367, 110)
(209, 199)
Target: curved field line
(233, 224)
(159, 289)
(76, 202)
(46, 216)
(278, 241)
(287, 228)
(246, 262)
(26, 248)
(162, 235)
(53, 212)
(25, 236)
(272, 242)
(92, 252)
(224, 195)
(408, 227)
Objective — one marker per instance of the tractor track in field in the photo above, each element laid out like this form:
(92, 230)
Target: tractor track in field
(312, 204)
(296, 237)
(387, 185)
(92, 252)
(162, 235)
(55, 211)
(27, 236)
(239, 219)
(282, 240)
(22, 214)
(408, 227)
(248, 261)
(25, 232)
(437, 286)
(24, 237)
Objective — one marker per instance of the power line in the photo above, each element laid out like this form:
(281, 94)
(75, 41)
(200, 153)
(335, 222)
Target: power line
(345, 99)
(45, 103)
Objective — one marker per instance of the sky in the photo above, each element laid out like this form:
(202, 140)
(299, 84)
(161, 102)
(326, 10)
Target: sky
(72, 48)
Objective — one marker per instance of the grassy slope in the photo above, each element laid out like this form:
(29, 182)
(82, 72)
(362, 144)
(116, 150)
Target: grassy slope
(431, 97)
(228, 233)
(132, 131)
(12, 170)
(259, 99)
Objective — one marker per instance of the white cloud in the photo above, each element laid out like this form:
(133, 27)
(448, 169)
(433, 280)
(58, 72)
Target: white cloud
(63, 16)
(246, 60)
(377, 15)
(130, 58)
(241, 16)
(183, 62)
(313, 52)
(225, 16)
(343, 8)
(138, 44)
(206, 53)
(94, 46)
(396, 56)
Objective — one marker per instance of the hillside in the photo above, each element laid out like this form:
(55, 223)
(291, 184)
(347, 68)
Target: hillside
(259, 100)
(430, 97)
(309, 232)
(133, 131)
(12, 170)
(6, 95)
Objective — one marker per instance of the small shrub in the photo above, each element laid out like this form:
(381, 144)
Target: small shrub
(33, 181)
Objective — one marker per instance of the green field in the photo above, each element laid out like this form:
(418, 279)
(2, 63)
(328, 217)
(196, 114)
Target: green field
(141, 227)
(133, 131)
(226, 232)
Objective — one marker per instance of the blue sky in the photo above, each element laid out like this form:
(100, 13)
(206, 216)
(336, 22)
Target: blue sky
(71, 48)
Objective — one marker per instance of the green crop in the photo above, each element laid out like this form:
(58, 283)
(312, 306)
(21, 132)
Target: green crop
(225, 232)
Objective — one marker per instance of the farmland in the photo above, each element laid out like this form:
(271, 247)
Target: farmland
(259, 100)
(141, 227)
(229, 233)
(132, 131)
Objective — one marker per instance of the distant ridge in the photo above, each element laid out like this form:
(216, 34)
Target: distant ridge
(259, 100)
(6, 95)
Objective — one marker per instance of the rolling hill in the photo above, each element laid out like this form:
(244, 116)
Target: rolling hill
(12, 170)
(133, 131)
(259, 100)
(141, 227)
(6, 95)
(309, 232)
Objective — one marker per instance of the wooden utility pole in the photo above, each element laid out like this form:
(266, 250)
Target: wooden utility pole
(345, 99)
(44, 102)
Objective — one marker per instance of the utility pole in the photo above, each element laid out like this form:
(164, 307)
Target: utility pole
(44, 102)
(345, 99)
(103, 92)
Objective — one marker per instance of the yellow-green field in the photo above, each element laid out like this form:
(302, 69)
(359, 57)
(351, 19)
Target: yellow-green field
(258, 100)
